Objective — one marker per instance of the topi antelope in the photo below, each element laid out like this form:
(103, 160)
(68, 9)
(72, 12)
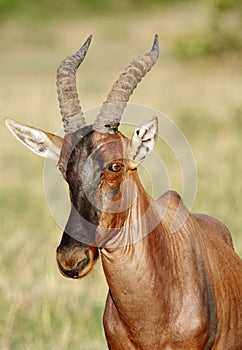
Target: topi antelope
(168, 288)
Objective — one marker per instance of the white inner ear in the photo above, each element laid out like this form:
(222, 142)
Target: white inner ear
(143, 140)
(38, 141)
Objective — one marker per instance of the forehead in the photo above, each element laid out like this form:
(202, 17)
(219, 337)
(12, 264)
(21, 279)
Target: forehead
(97, 146)
(110, 147)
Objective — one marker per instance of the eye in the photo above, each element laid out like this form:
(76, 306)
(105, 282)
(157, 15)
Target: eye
(115, 167)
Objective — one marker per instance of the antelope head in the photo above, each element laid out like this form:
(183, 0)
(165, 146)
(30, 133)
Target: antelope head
(95, 160)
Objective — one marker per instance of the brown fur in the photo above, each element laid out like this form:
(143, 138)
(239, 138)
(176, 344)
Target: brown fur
(175, 290)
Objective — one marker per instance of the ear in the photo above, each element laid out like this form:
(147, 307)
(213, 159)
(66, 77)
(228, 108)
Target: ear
(40, 142)
(143, 141)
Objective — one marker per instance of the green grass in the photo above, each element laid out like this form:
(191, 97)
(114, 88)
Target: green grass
(39, 309)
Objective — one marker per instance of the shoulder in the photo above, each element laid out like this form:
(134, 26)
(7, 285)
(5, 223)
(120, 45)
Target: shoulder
(170, 198)
(172, 210)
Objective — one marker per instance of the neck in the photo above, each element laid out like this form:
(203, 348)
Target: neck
(129, 272)
(129, 258)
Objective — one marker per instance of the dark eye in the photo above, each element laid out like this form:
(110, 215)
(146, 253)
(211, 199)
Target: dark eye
(115, 167)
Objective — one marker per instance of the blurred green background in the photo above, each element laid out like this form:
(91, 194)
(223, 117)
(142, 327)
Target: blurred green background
(196, 82)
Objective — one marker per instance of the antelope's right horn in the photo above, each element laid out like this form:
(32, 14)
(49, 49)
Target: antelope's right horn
(112, 109)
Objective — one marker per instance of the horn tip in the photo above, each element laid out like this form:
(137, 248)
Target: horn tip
(155, 46)
(85, 46)
(90, 38)
(88, 41)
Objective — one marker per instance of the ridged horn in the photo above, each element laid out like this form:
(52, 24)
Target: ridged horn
(112, 109)
(72, 115)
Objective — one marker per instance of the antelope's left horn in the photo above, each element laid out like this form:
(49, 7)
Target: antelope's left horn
(112, 109)
(72, 115)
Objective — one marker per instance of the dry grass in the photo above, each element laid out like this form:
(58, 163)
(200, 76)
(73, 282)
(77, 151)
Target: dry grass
(38, 308)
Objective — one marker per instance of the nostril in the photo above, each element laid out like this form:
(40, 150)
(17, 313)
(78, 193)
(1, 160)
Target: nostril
(81, 264)
(73, 272)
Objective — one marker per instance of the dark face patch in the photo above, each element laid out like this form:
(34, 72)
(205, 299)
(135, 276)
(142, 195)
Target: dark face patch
(94, 173)
(83, 175)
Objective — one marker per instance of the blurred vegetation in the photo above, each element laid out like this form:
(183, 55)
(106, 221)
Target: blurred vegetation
(39, 309)
(223, 35)
(49, 9)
